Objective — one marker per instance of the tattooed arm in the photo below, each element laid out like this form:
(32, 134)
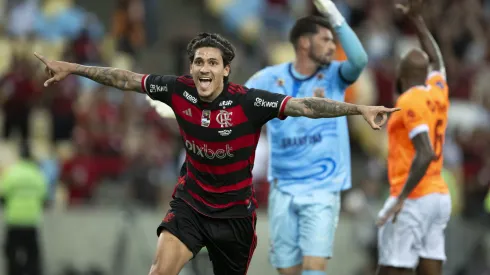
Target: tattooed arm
(117, 78)
(315, 107)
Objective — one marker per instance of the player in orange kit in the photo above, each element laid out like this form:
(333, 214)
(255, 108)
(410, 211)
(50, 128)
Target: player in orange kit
(419, 199)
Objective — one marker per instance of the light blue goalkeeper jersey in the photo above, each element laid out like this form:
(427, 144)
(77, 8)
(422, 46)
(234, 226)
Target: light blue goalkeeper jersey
(311, 154)
(306, 154)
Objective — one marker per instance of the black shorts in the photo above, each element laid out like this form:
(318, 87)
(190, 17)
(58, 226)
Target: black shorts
(230, 242)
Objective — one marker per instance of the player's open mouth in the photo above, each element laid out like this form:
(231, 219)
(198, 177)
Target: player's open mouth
(204, 82)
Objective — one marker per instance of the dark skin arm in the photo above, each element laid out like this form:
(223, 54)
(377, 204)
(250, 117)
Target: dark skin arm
(414, 12)
(424, 154)
(315, 107)
(429, 44)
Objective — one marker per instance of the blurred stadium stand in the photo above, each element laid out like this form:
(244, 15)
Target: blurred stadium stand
(109, 189)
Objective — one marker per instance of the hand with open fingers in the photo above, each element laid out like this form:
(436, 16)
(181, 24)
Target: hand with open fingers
(410, 7)
(392, 211)
(370, 113)
(55, 70)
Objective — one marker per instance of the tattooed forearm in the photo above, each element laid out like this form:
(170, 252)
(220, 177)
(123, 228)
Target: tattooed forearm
(121, 79)
(314, 107)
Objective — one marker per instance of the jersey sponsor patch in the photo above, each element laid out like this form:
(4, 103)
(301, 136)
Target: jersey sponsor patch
(206, 118)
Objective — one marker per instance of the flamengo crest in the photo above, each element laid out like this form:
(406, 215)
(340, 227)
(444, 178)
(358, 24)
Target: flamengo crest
(224, 118)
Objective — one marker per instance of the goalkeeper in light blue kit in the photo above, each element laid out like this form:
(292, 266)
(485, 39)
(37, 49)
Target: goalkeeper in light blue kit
(309, 158)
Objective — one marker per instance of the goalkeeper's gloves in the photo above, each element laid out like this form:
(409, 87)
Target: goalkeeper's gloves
(329, 10)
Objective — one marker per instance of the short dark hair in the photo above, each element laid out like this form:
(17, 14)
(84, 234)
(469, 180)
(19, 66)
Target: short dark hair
(307, 25)
(213, 40)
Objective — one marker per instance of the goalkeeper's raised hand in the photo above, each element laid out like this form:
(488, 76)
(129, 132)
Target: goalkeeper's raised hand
(329, 10)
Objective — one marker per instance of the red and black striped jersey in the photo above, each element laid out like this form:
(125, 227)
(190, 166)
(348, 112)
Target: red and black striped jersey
(220, 138)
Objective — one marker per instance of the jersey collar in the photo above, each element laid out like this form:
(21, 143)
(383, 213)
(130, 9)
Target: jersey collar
(297, 76)
(220, 97)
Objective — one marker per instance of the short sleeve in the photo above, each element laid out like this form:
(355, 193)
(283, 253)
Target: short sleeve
(437, 81)
(415, 115)
(159, 87)
(262, 106)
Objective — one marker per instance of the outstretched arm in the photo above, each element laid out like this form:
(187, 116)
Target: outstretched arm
(117, 78)
(315, 107)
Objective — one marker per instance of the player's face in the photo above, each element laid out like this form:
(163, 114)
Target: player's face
(322, 46)
(208, 71)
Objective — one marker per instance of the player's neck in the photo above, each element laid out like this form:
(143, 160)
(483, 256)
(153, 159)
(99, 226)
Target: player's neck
(412, 83)
(305, 66)
(214, 95)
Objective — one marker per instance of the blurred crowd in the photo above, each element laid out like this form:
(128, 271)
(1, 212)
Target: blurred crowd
(86, 136)
(81, 132)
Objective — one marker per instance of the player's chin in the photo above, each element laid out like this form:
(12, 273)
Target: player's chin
(205, 93)
(325, 61)
(328, 59)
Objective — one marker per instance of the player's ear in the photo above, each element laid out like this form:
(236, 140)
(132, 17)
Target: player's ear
(304, 42)
(227, 70)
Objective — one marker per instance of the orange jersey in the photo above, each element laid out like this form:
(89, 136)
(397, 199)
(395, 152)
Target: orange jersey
(424, 108)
